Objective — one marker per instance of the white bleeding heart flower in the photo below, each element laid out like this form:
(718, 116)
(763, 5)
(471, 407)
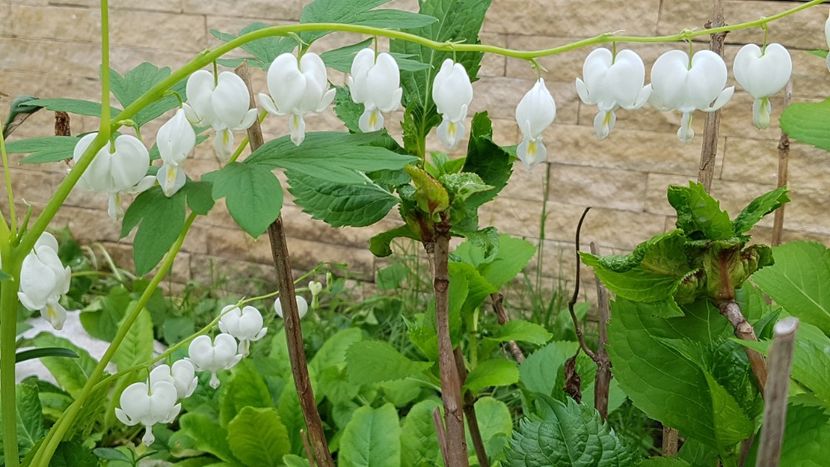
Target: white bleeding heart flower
(375, 83)
(147, 404)
(245, 324)
(182, 375)
(43, 280)
(222, 103)
(175, 140)
(678, 83)
(302, 306)
(118, 168)
(452, 93)
(762, 72)
(610, 82)
(535, 112)
(297, 88)
(214, 355)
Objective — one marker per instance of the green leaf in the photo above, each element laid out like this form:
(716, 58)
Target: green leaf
(102, 317)
(513, 255)
(667, 382)
(375, 361)
(341, 205)
(331, 156)
(347, 110)
(540, 369)
(760, 207)
(664, 462)
(73, 106)
(207, 434)
(487, 159)
(30, 427)
(199, 197)
(73, 454)
(568, 434)
(806, 437)
(381, 244)
(521, 331)
(333, 352)
(699, 214)
(160, 220)
(798, 281)
(258, 437)
(43, 149)
(246, 388)
(70, 373)
(372, 438)
(137, 346)
(808, 122)
(136, 82)
(252, 193)
(18, 113)
(496, 372)
(263, 51)
(362, 13)
(494, 423)
(41, 352)
(341, 59)
(419, 444)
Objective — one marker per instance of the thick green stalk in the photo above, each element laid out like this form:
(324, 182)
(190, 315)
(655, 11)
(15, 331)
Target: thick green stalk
(8, 338)
(8, 181)
(60, 428)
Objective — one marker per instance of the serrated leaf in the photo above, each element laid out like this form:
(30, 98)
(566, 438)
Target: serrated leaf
(496, 372)
(760, 207)
(338, 11)
(340, 205)
(798, 281)
(371, 438)
(331, 156)
(381, 244)
(159, 219)
(127, 88)
(370, 362)
(699, 214)
(257, 436)
(252, 193)
(521, 331)
(419, 444)
(806, 437)
(347, 110)
(808, 122)
(43, 149)
(487, 159)
(263, 51)
(137, 346)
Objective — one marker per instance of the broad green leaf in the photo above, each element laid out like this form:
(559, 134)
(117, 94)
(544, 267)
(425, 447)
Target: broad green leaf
(331, 156)
(371, 439)
(70, 373)
(808, 122)
(820, 53)
(658, 373)
(262, 51)
(102, 317)
(258, 437)
(160, 220)
(699, 214)
(375, 361)
(73, 106)
(341, 205)
(341, 59)
(521, 331)
(31, 354)
(540, 369)
(293, 460)
(333, 352)
(568, 434)
(43, 149)
(199, 197)
(799, 280)
(419, 444)
(252, 193)
(487, 159)
(30, 427)
(127, 88)
(496, 372)
(806, 437)
(338, 11)
(246, 388)
(664, 462)
(73, 454)
(381, 244)
(478, 288)
(137, 346)
(760, 207)
(208, 435)
(513, 255)
(494, 423)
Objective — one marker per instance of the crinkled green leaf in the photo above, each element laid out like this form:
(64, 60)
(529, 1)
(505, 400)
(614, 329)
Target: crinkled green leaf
(699, 214)
(341, 205)
(760, 207)
(252, 193)
(371, 439)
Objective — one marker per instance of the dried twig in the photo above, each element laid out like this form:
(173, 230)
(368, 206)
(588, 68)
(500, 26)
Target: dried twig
(497, 300)
(439, 432)
(783, 172)
(743, 330)
(577, 328)
(775, 394)
(62, 124)
(293, 332)
(602, 383)
(709, 150)
(470, 413)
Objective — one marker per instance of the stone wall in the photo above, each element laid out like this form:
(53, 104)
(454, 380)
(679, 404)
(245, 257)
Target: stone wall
(48, 48)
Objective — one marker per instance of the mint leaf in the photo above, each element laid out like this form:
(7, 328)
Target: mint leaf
(340, 205)
(699, 214)
(252, 193)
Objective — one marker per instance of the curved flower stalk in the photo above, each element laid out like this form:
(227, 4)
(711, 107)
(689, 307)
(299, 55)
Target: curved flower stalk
(684, 84)
(762, 72)
(296, 88)
(147, 404)
(375, 83)
(244, 324)
(213, 356)
(118, 168)
(222, 103)
(535, 112)
(302, 306)
(182, 375)
(43, 280)
(612, 82)
(452, 93)
(175, 140)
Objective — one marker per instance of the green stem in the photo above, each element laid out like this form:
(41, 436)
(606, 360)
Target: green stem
(8, 180)
(105, 126)
(8, 340)
(60, 428)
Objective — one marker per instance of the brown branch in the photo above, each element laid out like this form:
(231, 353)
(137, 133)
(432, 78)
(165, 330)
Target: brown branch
(497, 301)
(293, 331)
(711, 125)
(456, 453)
(307, 448)
(783, 173)
(775, 394)
(439, 432)
(602, 383)
(744, 331)
(470, 412)
(62, 124)
(577, 328)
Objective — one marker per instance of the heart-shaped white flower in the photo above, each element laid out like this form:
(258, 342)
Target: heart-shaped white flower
(375, 83)
(452, 93)
(245, 324)
(175, 140)
(535, 112)
(182, 375)
(302, 306)
(214, 355)
(762, 72)
(147, 404)
(43, 280)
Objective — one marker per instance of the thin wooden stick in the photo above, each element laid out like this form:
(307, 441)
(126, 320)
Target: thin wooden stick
(470, 413)
(783, 173)
(439, 432)
(711, 126)
(307, 448)
(602, 383)
(775, 394)
(291, 315)
(497, 300)
(577, 328)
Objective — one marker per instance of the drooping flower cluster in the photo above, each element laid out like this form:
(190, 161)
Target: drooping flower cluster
(44, 280)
